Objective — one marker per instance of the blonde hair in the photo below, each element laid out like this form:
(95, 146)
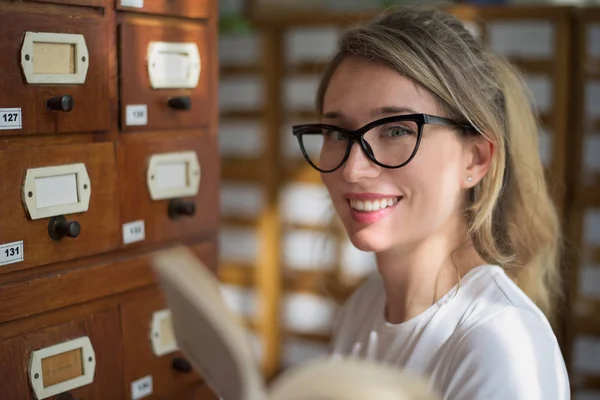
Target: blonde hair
(512, 219)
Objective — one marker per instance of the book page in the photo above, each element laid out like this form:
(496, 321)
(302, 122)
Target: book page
(206, 331)
(349, 379)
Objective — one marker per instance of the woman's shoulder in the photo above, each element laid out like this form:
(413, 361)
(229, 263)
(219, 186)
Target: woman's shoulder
(491, 294)
(503, 346)
(513, 352)
(499, 313)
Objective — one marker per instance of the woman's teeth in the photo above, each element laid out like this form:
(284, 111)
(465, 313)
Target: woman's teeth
(373, 205)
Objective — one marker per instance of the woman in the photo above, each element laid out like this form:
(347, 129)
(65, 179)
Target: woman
(429, 151)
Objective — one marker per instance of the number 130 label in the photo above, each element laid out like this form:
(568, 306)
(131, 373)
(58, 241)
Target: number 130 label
(10, 118)
(11, 253)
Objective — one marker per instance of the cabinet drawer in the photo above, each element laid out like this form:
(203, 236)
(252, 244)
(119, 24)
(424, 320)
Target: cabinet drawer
(82, 357)
(168, 188)
(54, 72)
(57, 203)
(166, 79)
(151, 353)
(181, 8)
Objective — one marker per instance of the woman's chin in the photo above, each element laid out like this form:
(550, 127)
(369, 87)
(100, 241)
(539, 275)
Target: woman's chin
(368, 241)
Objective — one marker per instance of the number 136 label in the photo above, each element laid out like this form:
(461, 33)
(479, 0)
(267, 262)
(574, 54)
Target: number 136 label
(10, 118)
(11, 253)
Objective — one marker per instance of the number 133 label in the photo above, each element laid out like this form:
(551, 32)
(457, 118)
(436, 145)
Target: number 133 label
(10, 118)
(11, 253)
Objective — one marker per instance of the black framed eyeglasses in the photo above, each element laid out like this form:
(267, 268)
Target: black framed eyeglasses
(390, 142)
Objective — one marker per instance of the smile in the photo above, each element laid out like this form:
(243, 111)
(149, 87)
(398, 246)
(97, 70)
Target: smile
(373, 205)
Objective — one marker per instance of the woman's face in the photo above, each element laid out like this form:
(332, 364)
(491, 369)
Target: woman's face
(419, 200)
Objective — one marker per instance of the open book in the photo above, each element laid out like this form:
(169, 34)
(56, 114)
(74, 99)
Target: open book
(219, 348)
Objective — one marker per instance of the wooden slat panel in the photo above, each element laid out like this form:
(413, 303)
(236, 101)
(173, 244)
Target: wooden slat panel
(268, 274)
(238, 221)
(305, 281)
(588, 195)
(241, 115)
(306, 227)
(301, 172)
(534, 66)
(315, 337)
(588, 382)
(307, 68)
(237, 275)
(302, 114)
(594, 254)
(241, 169)
(584, 316)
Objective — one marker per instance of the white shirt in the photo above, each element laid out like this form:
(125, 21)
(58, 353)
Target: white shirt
(486, 341)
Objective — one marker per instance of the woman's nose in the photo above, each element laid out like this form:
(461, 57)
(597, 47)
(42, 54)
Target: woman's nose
(358, 166)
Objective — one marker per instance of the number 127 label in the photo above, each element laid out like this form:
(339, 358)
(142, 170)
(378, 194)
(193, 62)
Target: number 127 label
(10, 118)
(11, 253)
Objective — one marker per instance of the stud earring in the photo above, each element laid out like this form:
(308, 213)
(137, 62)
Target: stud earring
(469, 179)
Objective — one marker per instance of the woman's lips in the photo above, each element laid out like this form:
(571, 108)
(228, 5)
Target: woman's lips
(370, 207)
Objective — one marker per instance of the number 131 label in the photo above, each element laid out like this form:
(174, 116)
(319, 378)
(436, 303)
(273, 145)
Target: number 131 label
(11, 253)
(10, 118)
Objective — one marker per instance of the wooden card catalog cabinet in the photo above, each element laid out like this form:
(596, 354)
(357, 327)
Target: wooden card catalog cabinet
(169, 189)
(53, 81)
(66, 195)
(181, 8)
(165, 78)
(79, 359)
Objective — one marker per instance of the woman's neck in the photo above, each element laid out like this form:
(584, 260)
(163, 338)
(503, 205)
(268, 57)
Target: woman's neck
(416, 278)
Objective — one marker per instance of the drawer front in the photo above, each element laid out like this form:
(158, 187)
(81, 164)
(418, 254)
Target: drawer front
(165, 77)
(89, 3)
(150, 348)
(54, 73)
(181, 8)
(82, 357)
(57, 203)
(168, 188)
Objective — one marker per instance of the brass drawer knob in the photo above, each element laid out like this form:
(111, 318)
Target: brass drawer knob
(59, 227)
(180, 364)
(178, 208)
(65, 396)
(180, 103)
(61, 103)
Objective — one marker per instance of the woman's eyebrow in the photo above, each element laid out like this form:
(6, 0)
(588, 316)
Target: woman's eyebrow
(333, 115)
(382, 111)
(375, 112)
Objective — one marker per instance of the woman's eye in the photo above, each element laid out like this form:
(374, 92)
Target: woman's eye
(336, 135)
(396, 131)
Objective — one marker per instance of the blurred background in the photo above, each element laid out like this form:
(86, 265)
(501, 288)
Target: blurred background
(285, 266)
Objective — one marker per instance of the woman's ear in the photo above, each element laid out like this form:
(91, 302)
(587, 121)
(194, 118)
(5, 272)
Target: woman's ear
(478, 155)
